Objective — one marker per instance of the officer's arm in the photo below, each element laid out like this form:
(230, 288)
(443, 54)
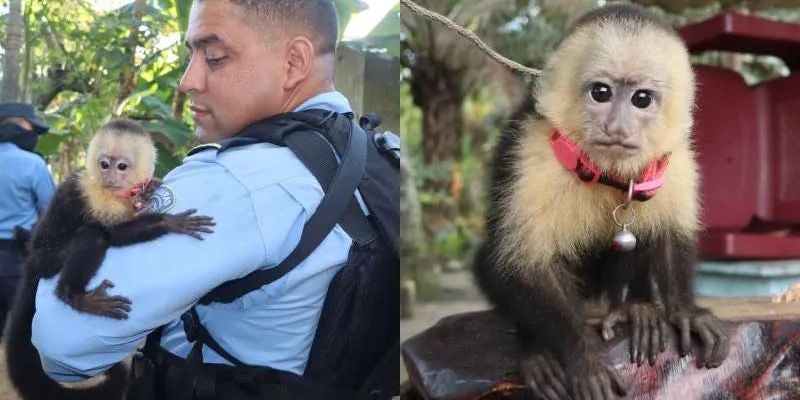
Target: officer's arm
(43, 187)
(163, 278)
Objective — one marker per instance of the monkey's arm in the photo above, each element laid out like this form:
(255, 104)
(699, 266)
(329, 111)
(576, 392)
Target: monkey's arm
(147, 227)
(674, 272)
(560, 353)
(81, 260)
(632, 300)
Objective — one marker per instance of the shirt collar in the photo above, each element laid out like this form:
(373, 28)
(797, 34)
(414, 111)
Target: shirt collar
(333, 101)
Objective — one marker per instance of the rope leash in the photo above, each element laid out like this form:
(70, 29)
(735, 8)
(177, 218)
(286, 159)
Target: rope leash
(434, 16)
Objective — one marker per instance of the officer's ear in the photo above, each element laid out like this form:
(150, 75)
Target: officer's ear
(300, 61)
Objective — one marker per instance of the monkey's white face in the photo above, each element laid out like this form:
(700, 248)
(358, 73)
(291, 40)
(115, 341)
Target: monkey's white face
(619, 112)
(115, 173)
(624, 94)
(118, 162)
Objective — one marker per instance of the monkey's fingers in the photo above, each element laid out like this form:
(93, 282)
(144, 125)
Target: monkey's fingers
(605, 383)
(559, 372)
(708, 344)
(610, 321)
(714, 339)
(685, 334)
(554, 376)
(186, 213)
(202, 219)
(581, 389)
(595, 387)
(655, 339)
(646, 337)
(637, 335)
(199, 221)
(616, 382)
(542, 385)
(126, 302)
(189, 232)
(105, 284)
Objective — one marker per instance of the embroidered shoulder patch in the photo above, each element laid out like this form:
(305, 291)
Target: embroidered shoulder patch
(162, 200)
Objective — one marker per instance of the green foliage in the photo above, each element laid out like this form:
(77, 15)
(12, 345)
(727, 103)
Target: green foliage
(77, 56)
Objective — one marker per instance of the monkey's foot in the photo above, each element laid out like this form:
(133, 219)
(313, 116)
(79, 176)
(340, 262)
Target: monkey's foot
(596, 380)
(187, 224)
(545, 376)
(648, 328)
(98, 302)
(710, 330)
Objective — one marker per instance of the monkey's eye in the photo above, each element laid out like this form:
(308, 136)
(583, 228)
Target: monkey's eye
(601, 92)
(104, 164)
(122, 166)
(642, 99)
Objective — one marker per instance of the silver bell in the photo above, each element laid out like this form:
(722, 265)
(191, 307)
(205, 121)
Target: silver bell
(624, 241)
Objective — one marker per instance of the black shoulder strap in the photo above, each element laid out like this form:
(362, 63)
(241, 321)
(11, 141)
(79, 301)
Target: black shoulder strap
(334, 203)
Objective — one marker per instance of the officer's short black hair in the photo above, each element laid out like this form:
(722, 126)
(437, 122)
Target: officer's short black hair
(319, 16)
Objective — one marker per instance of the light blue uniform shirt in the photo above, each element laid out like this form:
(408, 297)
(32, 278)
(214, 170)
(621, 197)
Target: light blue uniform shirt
(260, 196)
(25, 188)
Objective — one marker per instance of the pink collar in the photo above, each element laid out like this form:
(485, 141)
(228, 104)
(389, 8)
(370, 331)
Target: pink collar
(133, 192)
(575, 161)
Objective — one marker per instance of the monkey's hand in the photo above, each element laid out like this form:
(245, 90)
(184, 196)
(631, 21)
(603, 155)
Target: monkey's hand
(648, 329)
(709, 328)
(149, 188)
(142, 194)
(188, 224)
(592, 379)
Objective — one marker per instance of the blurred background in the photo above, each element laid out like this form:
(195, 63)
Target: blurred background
(82, 62)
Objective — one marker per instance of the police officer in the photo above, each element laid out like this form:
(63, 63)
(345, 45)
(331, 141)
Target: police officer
(249, 60)
(25, 190)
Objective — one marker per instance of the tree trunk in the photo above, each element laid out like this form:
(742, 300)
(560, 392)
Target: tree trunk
(14, 30)
(127, 77)
(413, 244)
(177, 106)
(437, 90)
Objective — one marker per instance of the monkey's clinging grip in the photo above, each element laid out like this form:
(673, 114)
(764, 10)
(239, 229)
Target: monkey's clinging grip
(91, 211)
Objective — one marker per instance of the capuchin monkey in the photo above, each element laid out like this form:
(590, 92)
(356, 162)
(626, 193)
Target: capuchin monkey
(92, 210)
(611, 139)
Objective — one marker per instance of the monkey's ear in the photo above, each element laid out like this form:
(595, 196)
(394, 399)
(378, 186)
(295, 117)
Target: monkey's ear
(300, 59)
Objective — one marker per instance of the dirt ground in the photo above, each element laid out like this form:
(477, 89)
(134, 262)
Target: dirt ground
(458, 295)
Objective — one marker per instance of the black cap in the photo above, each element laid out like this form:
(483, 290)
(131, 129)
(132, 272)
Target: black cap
(23, 110)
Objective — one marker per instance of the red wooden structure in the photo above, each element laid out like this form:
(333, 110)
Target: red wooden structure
(748, 140)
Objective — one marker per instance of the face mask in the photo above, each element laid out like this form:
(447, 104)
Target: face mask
(24, 139)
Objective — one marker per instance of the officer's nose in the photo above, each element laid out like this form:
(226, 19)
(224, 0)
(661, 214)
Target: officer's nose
(194, 77)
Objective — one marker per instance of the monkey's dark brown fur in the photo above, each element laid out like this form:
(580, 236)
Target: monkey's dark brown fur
(548, 246)
(70, 239)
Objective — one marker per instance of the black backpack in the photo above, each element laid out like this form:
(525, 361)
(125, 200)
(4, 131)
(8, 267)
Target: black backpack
(355, 352)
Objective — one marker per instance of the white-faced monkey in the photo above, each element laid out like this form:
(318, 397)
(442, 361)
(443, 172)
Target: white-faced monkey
(92, 210)
(596, 195)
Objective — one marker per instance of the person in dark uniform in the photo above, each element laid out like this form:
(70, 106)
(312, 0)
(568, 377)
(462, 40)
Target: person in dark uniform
(25, 190)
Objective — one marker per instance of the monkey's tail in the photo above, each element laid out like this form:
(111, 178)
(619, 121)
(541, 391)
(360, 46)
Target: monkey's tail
(25, 367)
